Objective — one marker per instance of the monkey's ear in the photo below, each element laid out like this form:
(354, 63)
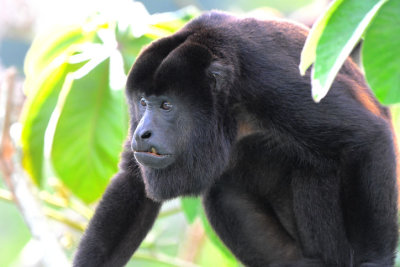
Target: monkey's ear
(220, 74)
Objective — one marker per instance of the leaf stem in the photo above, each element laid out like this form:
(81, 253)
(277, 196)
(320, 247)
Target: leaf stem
(6, 195)
(162, 258)
(169, 212)
(59, 216)
(61, 202)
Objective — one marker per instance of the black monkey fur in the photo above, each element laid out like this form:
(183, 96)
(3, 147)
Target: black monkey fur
(220, 110)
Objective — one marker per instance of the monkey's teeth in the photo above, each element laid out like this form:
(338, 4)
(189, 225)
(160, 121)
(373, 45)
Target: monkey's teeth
(153, 150)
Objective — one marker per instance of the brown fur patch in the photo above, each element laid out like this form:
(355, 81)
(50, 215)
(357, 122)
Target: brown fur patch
(246, 125)
(367, 101)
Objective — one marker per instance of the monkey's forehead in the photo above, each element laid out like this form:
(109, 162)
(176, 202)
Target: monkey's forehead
(170, 63)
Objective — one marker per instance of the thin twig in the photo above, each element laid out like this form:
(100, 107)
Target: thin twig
(50, 213)
(81, 209)
(162, 258)
(61, 202)
(6, 195)
(6, 149)
(169, 212)
(60, 217)
(194, 241)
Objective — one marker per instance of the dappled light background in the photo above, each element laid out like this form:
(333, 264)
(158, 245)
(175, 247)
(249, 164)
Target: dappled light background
(63, 120)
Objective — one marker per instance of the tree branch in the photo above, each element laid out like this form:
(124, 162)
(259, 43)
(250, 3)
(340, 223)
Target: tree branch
(19, 184)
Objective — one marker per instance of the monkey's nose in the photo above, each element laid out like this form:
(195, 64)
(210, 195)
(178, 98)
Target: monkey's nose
(146, 135)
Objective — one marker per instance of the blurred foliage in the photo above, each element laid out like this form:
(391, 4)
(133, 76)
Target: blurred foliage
(75, 100)
(285, 6)
(14, 233)
(381, 58)
(74, 86)
(75, 120)
(336, 33)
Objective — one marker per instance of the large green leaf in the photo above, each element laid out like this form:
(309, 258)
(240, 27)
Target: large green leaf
(90, 130)
(36, 115)
(341, 34)
(380, 53)
(46, 67)
(309, 50)
(47, 48)
(191, 208)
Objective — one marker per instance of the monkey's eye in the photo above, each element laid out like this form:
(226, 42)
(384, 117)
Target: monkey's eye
(143, 102)
(166, 105)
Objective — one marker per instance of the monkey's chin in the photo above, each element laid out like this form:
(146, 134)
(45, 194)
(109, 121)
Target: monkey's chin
(163, 184)
(161, 198)
(163, 192)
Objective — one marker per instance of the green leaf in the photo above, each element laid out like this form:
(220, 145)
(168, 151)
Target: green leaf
(341, 34)
(309, 50)
(210, 255)
(191, 208)
(168, 23)
(47, 48)
(90, 130)
(14, 234)
(46, 67)
(380, 53)
(214, 238)
(36, 114)
(130, 47)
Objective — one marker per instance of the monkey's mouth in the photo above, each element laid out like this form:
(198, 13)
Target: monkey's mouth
(152, 152)
(153, 158)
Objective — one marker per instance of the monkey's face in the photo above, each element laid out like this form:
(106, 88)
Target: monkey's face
(156, 138)
(175, 145)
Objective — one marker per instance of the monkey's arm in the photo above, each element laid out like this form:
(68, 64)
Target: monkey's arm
(120, 223)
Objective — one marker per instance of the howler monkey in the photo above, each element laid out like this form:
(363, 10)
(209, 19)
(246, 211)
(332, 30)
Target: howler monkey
(219, 109)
